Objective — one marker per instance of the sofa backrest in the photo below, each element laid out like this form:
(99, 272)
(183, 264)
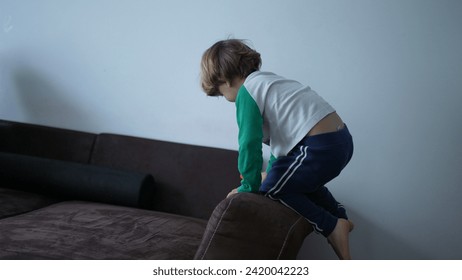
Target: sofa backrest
(190, 180)
(43, 141)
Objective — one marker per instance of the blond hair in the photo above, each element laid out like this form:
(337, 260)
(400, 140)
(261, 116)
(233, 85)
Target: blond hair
(225, 61)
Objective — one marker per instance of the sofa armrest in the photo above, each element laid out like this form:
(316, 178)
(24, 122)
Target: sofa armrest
(252, 226)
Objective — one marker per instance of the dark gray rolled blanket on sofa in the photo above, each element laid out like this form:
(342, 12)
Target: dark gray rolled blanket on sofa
(76, 181)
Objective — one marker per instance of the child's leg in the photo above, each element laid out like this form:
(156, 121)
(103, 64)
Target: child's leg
(326, 200)
(292, 180)
(334, 229)
(339, 239)
(322, 221)
(297, 179)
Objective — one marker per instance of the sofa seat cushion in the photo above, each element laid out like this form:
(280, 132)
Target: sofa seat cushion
(14, 202)
(87, 230)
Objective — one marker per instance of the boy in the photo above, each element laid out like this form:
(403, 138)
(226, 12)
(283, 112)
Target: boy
(309, 142)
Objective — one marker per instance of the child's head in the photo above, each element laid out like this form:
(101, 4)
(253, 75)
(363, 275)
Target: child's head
(225, 61)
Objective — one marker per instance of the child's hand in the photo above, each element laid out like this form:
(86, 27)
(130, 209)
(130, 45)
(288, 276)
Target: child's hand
(232, 192)
(263, 176)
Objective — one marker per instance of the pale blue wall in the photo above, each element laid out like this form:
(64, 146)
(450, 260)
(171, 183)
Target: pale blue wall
(393, 69)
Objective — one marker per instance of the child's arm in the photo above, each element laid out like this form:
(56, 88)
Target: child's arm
(250, 159)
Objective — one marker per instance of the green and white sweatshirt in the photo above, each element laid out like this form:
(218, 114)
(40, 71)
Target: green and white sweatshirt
(276, 111)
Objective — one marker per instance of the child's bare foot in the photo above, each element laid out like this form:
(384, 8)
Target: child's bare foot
(338, 239)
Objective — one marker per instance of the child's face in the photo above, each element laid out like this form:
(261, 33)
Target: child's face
(230, 91)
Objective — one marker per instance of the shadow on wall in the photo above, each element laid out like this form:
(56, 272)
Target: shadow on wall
(367, 242)
(44, 101)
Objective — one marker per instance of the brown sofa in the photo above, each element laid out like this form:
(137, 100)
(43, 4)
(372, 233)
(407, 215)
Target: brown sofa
(75, 195)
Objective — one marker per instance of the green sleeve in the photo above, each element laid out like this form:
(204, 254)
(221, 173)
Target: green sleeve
(270, 163)
(250, 159)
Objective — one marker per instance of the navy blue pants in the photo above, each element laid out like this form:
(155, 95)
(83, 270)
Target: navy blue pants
(297, 180)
